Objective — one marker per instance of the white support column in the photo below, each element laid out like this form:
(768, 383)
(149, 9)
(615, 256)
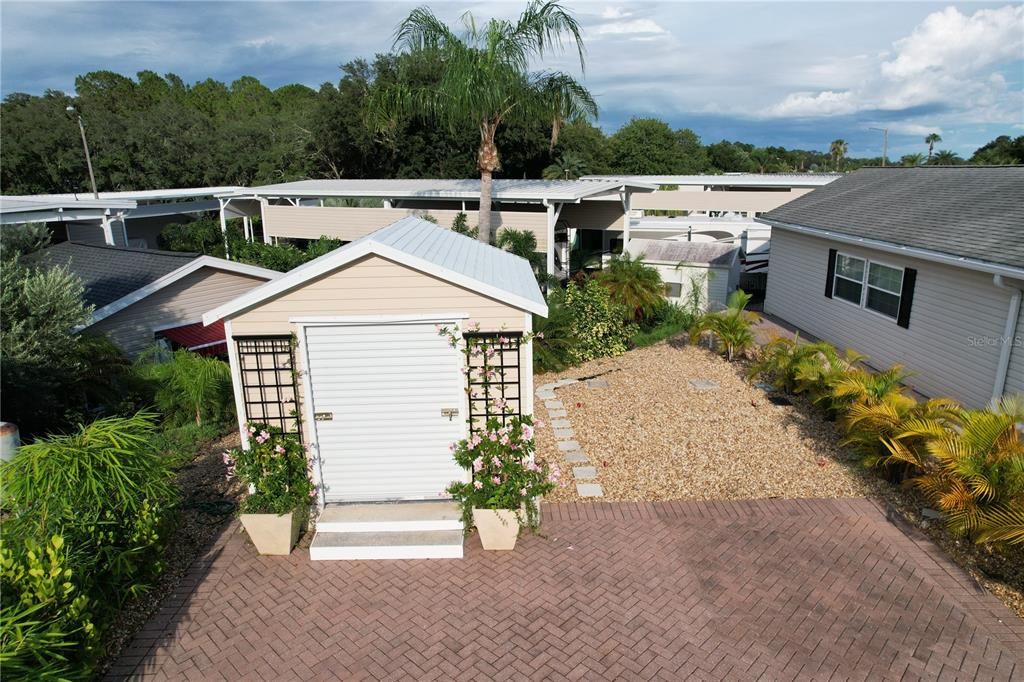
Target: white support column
(387, 203)
(626, 200)
(108, 231)
(552, 219)
(263, 219)
(247, 228)
(224, 226)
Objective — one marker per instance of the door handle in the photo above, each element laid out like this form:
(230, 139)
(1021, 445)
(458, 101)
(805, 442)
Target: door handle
(450, 412)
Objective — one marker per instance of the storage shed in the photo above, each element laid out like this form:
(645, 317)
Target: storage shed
(379, 393)
(712, 269)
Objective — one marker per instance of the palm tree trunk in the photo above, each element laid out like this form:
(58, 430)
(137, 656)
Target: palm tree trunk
(484, 233)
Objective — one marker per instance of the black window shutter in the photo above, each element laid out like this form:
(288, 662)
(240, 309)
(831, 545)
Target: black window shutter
(831, 272)
(906, 297)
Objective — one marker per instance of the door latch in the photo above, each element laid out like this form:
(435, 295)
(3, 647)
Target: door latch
(450, 412)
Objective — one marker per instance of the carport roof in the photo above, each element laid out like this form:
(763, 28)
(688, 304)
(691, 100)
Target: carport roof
(536, 191)
(422, 246)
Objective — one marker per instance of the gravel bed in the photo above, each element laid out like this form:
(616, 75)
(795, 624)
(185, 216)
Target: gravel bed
(652, 436)
(208, 504)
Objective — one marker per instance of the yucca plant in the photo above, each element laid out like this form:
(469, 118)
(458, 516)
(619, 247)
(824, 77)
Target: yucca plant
(975, 473)
(730, 327)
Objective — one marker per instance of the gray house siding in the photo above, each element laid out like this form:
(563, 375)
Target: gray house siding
(955, 312)
(1015, 373)
(180, 303)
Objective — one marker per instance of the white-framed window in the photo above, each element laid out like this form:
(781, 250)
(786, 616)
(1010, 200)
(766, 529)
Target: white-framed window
(848, 283)
(868, 284)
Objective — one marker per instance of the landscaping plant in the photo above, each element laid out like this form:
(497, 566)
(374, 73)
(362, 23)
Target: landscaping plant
(597, 325)
(276, 471)
(503, 472)
(633, 285)
(730, 328)
(189, 387)
(553, 337)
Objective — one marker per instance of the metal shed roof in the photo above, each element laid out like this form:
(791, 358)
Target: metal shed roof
(667, 251)
(133, 195)
(469, 189)
(729, 179)
(422, 246)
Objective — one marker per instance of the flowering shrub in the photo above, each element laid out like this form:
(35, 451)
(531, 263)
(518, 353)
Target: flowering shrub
(504, 473)
(276, 470)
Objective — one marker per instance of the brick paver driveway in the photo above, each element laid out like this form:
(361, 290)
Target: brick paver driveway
(740, 590)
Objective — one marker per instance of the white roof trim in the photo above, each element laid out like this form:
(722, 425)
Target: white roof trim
(351, 253)
(175, 275)
(892, 247)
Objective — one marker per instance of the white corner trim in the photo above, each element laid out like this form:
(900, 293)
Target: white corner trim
(175, 275)
(236, 384)
(346, 255)
(322, 320)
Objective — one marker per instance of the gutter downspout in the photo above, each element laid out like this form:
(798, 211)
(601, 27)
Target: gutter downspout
(1006, 349)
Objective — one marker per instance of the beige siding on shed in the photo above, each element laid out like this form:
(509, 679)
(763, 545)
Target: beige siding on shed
(376, 286)
(953, 311)
(182, 302)
(349, 224)
(592, 215)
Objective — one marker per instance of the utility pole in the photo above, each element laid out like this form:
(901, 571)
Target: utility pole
(85, 145)
(885, 145)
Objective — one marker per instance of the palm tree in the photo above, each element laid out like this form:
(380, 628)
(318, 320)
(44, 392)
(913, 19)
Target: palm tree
(931, 139)
(730, 327)
(569, 166)
(912, 160)
(522, 243)
(632, 284)
(485, 81)
(838, 150)
(944, 157)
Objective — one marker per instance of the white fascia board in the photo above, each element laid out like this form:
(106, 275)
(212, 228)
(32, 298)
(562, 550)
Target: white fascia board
(343, 257)
(172, 277)
(900, 249)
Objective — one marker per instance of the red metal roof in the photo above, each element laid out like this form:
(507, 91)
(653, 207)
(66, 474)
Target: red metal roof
(195, 337)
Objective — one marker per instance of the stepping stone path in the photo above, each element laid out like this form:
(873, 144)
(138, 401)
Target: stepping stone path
(585, 476)
(703, 384)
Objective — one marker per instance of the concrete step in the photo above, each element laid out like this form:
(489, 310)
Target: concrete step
(430, 544)
(390, 516)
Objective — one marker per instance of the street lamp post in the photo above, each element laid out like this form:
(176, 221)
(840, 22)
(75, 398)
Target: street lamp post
(885, 144)
(85, 146)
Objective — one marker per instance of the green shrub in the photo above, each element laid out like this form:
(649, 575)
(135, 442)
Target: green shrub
(188, 386)
(460, 224)
(275, 468)
(522, 243)
(19, 240)
(633, 285)
(553, 336)
(597, 326)
(730, 328)
(92, 506)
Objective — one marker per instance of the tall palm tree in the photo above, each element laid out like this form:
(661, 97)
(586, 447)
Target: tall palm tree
(632, 284)
(486, 82)
(838, 150)
(931, 139)
(944, 157)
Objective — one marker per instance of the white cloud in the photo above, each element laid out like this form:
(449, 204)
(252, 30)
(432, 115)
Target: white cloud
(630, 27)
(947, 61)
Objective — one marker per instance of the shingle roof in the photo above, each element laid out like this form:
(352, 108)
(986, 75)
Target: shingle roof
(974, 212)
(423, 246)
(109, 272)
(670, 251)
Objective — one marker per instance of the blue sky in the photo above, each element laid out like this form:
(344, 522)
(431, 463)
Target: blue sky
(793, 74)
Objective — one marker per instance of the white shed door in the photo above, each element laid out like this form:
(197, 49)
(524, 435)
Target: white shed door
(378, 394)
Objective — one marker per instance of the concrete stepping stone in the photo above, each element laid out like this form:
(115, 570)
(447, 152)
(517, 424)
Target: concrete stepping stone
(557, 414)
(589, 490)
(568, 445)
(703, 384)
(560, 423)
(546, 395)
(547, 387)
(584, 472)
(554, 404)
(565, 434)
(576, 457)
(597, 383)
(566, 382)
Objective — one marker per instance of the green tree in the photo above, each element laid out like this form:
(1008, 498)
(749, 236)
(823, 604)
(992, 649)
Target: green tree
(648, 146)
(837, 150)
(731, 157)
(945, 157)
(588, 143)
(485, 82)
(568, 166)
(931, 139)
(1000, 151)
(911, 160)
